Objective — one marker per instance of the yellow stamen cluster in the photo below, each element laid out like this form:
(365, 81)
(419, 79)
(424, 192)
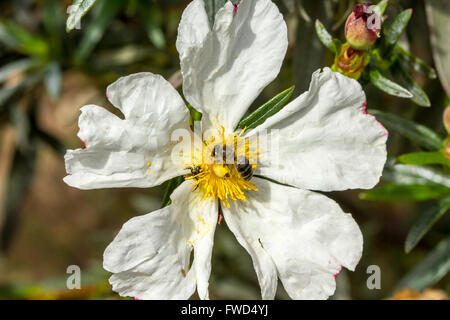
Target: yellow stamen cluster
(221, 180)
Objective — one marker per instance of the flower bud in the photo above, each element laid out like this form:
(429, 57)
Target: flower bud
(446, 119)
(363, 27)
(447, 148)
(350, 62)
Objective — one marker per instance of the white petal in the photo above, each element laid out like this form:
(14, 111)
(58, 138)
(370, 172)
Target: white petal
(262, 262)
(225, 69)
(306, 235)
(151, 254)
(326, 141)
(135, 151)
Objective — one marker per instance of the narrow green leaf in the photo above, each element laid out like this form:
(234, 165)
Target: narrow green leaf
(419, 96)
(76, 11)
(438, 19)
(388, 86)
(53, 20)
(267, 110)
(325, 37)
(430, 270)
(414, 175)
(15, 67)
(417, 133)
(151, 21)
(398, 26)
(171, 186)
(380, 7)
(424, 223)
(52, 16)
(394, 192)
(102, 15)
(53, 80)
(6, 38)
(424, 158)
(407, 58)
(17, 37)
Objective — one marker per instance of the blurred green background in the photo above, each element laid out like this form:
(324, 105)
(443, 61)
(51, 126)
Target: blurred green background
(48, 74)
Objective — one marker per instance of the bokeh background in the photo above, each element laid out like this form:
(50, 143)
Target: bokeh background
(45, 226)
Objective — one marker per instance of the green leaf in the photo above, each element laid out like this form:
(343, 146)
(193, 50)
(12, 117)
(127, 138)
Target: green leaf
(430, 270)
(380, 7)
(171, 186)
(325, 37)
(76, 11)
(424, 223)
(53, 79)
(424, 158)
(407, 58)
(102, 15)
(414, 175)
(53, 20)
(438, 19)
(388, 86)
(6, 38)
(267, 110)
(151, 21)
(395, 192)
(419, 96)
(417, 133)
(16, 66)
(17, 37)
(398, 26)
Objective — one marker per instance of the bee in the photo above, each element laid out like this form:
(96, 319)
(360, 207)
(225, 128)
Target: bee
(195, 170)
(242, 165)
(244, 168)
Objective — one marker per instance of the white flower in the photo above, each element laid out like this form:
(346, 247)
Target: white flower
(326, 142)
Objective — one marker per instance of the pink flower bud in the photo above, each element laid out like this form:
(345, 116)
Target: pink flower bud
(446, 119)
(363, 27)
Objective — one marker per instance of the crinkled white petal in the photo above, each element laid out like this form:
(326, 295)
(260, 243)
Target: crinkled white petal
(225, 69)
(303, 235)
(130, 152)
(324, 140)
(262, 262)
(150, 256)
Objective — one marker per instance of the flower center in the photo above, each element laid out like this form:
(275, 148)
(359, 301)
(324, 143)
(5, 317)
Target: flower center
(226, 167)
